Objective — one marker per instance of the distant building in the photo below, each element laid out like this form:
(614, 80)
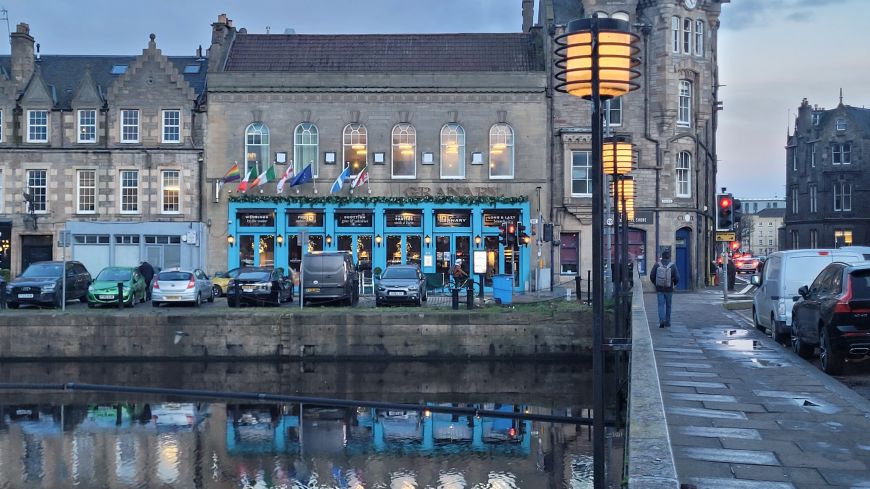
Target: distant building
(760, 233)
(754, 206)
(828, 197)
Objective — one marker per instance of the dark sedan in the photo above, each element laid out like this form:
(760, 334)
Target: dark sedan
(259, 286)
(42, 284)
(834, 316)
(401, 283)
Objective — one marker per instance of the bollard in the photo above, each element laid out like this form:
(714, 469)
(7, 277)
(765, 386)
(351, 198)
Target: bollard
(578, 287)
(2, 293)
(455, 299)
(568, 294)
(469, 298)
(588, 284)
(120, 295)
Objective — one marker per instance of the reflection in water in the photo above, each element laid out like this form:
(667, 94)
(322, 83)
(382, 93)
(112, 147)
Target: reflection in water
(271, 446)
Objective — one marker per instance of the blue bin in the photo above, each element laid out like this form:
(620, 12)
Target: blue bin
(502, 289)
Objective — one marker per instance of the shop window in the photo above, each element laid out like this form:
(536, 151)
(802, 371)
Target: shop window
(452, 151)
(569, 253)
(501, 152)
(256, 147)
(404, 154)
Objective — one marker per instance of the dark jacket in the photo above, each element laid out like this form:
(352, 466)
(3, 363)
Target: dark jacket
(147, 272)
(675, 276)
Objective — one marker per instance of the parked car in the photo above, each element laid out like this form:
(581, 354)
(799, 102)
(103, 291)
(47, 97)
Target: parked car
(258, 286)
(783, 273)
(834, 316)
(104, 288)
(330, 276)
(220, 280)
(191, 286)
(401, 284)
(41, 284)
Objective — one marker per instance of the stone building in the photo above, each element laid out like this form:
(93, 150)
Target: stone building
(450, 129)
(826, 178)
(671, 120)
(760, 234)
(106, 147)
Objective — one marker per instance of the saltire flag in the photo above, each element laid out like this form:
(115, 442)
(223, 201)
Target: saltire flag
(339, 182)
(304, 176)
(243, 185)
(288, 174)
(267, 176)
(232, 175)
(360, 178)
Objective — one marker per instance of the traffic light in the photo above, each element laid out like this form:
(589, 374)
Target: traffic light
(735, 245)
(502, 234)
(523, 238)
(511, 234)
(737, 216)
(724, 212)
(548, 232)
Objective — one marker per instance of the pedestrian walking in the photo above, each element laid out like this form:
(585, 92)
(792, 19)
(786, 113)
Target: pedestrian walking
(664, 276)
(459, 274)
(147, 272)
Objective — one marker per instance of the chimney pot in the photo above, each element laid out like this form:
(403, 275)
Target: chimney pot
(22, 28)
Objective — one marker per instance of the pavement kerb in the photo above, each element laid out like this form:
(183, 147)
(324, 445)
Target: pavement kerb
(650, 458)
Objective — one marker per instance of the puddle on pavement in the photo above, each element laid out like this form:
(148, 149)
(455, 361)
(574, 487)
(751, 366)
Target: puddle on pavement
(735, 332)
(763, 363)
(743, 345)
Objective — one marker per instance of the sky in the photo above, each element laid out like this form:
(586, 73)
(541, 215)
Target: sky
(772, 53)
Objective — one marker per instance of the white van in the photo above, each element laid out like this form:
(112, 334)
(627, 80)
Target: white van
(784, 272)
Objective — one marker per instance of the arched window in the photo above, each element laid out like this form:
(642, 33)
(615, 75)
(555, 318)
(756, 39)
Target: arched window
(684, 174)
(501, 151)
(675, 34)
(256, 147)
(452, 151)
(355, 147)
(699, 37)
(305, 148)
(404, 151)
(684, 114)
(621, 16)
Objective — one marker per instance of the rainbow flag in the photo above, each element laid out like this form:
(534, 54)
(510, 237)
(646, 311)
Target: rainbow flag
(232, 175)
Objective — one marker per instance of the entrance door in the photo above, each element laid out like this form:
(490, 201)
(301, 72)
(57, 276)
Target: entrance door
(448, 249)
(35, 248)
(256, 250)
(683, 258)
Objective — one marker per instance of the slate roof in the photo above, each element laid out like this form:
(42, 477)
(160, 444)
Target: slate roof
(384, 53)
(771, 212)
(565, 11)
(861, 116)
(63, 73)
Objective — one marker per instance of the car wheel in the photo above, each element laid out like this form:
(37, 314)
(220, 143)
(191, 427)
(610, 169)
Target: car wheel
(131, 302)
(425, 295)
(831, 361)
(216, 290)
(758, 325)
(378, 303)
(232, 303)
(197, 300)
(419, 302)
(211, 297)
(12, 305)
(155, 303)
(276, 298)
(58, 302)
(90, 305)
(802, 349)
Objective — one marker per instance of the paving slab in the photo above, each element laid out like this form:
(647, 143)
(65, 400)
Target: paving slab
(745, 412)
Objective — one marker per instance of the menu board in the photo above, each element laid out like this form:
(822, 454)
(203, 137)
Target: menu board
(493, 218)
(256, 218)
(453, 219)
(354, 219)
(403, 219)
(303, 219)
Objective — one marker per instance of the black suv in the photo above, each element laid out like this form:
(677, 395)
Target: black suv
(41, 284)
(260, 285)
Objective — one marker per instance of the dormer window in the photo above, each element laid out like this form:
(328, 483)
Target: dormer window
(118, 69)
(841, 124)
(816, 118)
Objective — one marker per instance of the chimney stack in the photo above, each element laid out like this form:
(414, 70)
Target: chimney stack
(22, 55)
(528, 13)
(222, 33)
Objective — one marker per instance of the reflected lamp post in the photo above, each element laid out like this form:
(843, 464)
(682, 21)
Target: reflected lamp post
(595, 60)
(617, 160)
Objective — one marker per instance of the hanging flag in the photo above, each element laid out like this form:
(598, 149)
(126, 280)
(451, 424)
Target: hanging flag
(360, 178)
(287, 176)
(339, 182)
(232, 175)
(267, 176)
(304, 176)
(243, 185)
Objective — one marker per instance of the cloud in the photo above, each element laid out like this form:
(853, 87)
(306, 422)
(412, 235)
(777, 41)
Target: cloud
(749, 14)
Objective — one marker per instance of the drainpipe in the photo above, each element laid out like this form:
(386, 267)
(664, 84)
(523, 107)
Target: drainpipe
(645, 30)
(550, 152)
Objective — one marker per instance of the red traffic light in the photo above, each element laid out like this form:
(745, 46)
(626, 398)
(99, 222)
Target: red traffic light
(724, 201)
(511, 229)
(735, 245)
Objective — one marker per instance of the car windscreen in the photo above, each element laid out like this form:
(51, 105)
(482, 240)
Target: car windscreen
(114, 275)
(399, 273)
(43, 270)
(262, 276)
(174, 276)
(860, 284)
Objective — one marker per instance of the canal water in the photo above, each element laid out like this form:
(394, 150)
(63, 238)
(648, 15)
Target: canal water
(60, 439)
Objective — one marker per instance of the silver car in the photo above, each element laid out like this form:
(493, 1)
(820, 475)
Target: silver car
(401, 283)
(189, 286)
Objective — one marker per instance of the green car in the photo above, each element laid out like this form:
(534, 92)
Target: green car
(104, 288)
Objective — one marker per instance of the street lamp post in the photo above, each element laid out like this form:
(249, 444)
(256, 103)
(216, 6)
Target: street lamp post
(617, 159)
(595, 59)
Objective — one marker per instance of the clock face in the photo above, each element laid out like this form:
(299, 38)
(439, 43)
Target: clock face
(690, 4)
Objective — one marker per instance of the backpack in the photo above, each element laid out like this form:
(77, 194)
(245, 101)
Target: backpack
(664, 275)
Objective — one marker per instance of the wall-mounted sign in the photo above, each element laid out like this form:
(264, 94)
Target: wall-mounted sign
(354, 219)
(643, 217)
(451, 191)
(403, 219)
(492, 218)
(256, 218)
(303, 219)
(453, 219)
